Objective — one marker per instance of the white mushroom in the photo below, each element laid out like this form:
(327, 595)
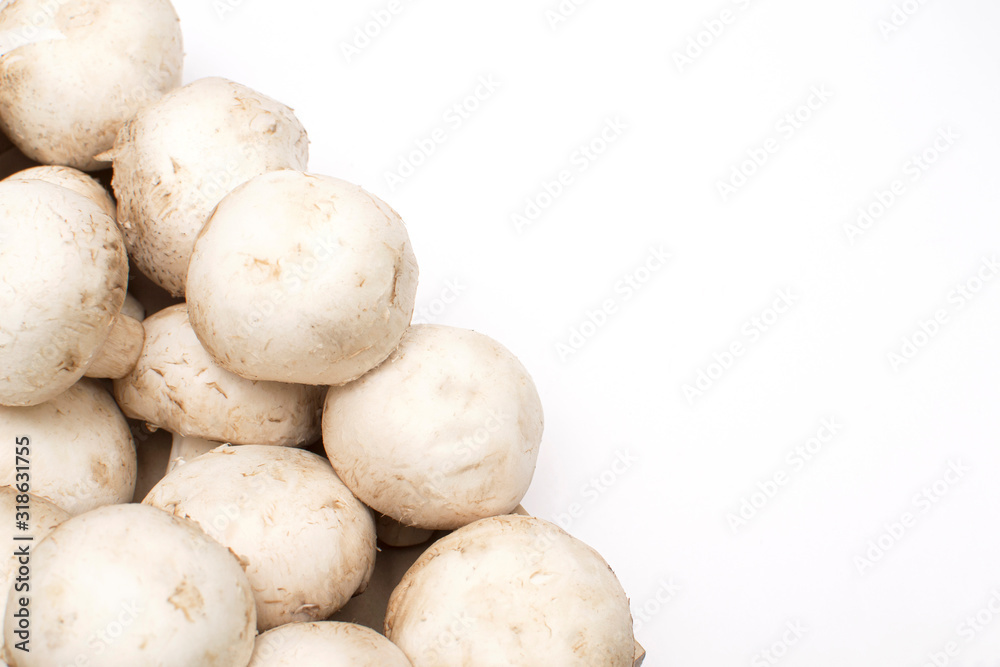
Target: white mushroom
(70, 178)
(130, 585)
(511, 590)
(62, 285)
(81, 451)
(445, 432)
(301, 278)
(176, 385)
(40, 517)
(177, 157)
(325, 644)
(73, 72)
(307, 544)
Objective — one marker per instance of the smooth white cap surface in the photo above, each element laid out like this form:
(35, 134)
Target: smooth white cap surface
(301, 278)
(444, 432)
(511, 590)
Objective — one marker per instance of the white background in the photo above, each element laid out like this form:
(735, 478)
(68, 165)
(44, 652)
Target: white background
(662, 519)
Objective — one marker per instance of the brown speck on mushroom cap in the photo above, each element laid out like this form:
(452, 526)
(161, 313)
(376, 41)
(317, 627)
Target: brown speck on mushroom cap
(307, 543)
(83, 456)
(181, 598)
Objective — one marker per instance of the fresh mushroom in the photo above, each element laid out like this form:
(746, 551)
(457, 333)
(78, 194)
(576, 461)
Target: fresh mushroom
(326, 643)
(301, 278)
(511, 590)
(78, 70)
(130, 585)
(445, 432)
(81, 451)
(177, 157)
(176, 385)
(307, 544)
(62, 285)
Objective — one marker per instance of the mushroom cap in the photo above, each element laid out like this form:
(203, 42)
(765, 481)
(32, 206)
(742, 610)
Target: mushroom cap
(301, 278)
(325, 644)
(81, 449)
(306, 543)
(62, 283)
(511, 590)
(84, 68)
(445, 432)
(177, 386)
(71, 178)
(177, 157)
(177, 597)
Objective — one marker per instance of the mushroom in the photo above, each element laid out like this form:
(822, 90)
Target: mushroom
(177, 157)
(75, 71)
(62, 286)
(326, 643)
(511, 590)
(40, 517)
(301, 278)
(259, 501)
(70, 178)
(130, 585)
(445, 432)
(176, 385)
(81, 451)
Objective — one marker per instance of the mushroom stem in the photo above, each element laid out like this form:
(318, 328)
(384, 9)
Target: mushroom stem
(394, 534)
(117, 356)
(186, 447)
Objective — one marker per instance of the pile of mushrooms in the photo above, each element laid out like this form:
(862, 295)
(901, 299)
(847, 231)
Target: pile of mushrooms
(270, 338)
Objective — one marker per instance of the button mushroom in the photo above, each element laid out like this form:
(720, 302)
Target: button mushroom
(82, 454)
(511, 590)
(326, 643)
(176, 385)
(62, 285)
(130, 585)
(85, 67)
(260, 501)
(301, 278)
(445, 432)
(177, 157)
